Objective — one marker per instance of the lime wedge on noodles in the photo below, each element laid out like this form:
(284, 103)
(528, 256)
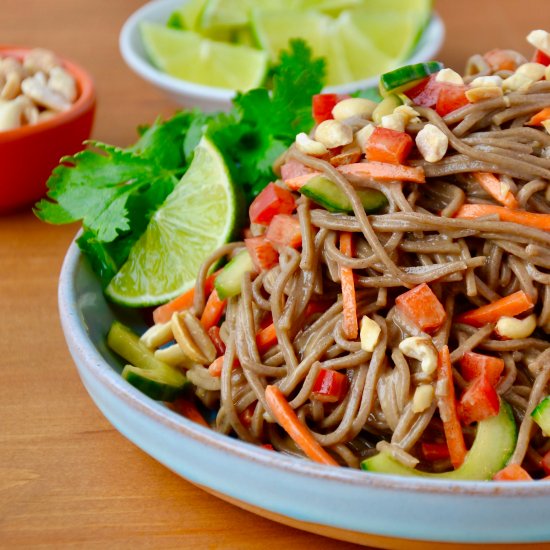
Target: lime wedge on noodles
(189, 56)
(196, 218)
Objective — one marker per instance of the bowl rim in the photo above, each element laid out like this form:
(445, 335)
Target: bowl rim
(435, 29)
(84, 102)
(79, 341)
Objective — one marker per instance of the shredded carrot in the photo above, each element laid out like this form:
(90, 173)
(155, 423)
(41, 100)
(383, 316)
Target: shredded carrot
(530, 219)
(538, 118)
(266, 338)
(349, 302)
(213, 310)
(509, 306)
(189, 410)
(381, 171)
(163, 313)
(497, 189)
(286, 417)
(512, 472)
(448, 410)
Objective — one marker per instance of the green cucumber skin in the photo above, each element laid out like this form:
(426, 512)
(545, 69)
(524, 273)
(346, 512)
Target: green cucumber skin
(228, 282)
(155, 389)
(327, 194)
(494, 444)
(541, 415)
(154, 378)
(409, 74)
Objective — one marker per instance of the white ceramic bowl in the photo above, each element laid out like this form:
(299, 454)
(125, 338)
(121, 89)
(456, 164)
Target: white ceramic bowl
(209, 98)
(380, 510)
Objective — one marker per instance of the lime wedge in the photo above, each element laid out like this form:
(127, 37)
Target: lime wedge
(189, 56)
(190, 13)
(195, 219)
(332, 7)
(274, 28)
(236, 13)
(395, 34)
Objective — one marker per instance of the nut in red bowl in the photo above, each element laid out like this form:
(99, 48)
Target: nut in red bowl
(29, 153)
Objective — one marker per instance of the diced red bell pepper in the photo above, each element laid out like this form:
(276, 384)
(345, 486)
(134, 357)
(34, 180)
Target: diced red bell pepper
(386, 145)
(450, 98)
(330, 386)
(271, 201)
(284, 230)
(263, 255)
(322, 105)
(268, 446)
(541, 57)
(545, 463)
(512, 472)
(473, 365)
(478, 402)
(219, 344)
(421, 307)
(434, 451)
(426, 92)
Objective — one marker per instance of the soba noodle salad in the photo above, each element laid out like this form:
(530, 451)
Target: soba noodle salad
(388, 307)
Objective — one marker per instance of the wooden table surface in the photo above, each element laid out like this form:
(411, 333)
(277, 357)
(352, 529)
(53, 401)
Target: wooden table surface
(67, 477)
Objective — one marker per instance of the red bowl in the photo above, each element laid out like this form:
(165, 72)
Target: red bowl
(29, 154)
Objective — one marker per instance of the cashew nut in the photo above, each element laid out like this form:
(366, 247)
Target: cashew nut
(44, 96)
(423, 398)
(157, 335)
(40, 59)
(449, 76)
(10, 114)
(61, 81)
(332, 133)
(422, 349)
(12, 86)
(369, 333)
(473, 95)
(309, 146)
(353, 107)
(512, 328)
(432, 143)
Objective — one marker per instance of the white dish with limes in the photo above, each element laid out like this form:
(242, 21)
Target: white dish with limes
(408, 43)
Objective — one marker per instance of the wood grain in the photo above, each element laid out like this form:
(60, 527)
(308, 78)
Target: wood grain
(67, 478)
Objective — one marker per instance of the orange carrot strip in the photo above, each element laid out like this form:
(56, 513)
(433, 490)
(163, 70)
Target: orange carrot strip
(496, 189)
(286, 417)
(349, 303)
(266, 338)
(509, 306)
(512, 472)
(381, 171)
(189, 410)
(448, 411)
(163, 313)
(530, 219)
(213, 310)
(384, 171)
(538, 118)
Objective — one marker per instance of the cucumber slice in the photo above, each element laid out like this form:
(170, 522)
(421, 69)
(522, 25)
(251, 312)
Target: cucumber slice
(163, 384)
(406, 77)
(494, 443)
(228, 282)
(386, 107)
(153, 377)
(541, 415)
(327, 194)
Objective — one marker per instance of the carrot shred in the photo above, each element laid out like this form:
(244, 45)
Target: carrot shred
(349, 303)
(286, 417)
(163, 313)
(512, 472)
(215, 368)
(529, 219)
(213, 310)
(381, 171)
(538, 118)
(509, 306)
(496, 189)
(189, 410)
(448, 410)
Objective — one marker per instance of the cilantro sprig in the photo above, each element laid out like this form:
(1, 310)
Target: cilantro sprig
(115, 191)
